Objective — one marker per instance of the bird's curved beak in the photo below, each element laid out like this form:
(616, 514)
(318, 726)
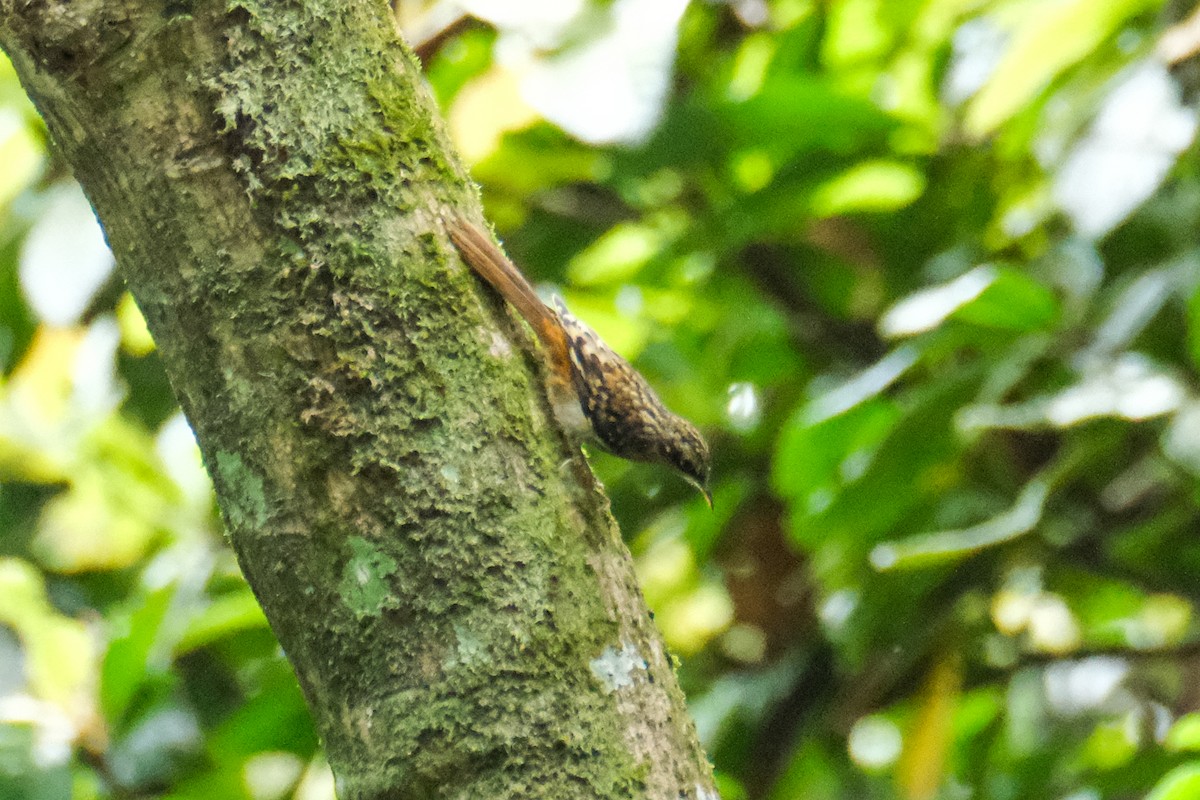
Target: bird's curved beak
(702, 488)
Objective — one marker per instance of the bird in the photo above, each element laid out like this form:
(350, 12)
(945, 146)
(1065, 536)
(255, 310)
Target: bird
(596, 394)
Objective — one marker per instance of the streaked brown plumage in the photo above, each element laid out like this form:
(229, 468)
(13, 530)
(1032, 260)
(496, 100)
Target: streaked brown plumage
(595, 392)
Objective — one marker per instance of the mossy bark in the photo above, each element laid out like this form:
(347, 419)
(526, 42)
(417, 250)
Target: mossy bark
(438, 566)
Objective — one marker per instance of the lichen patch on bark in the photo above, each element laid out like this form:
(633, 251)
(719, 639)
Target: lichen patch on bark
(246, 503)
(617, 669)
(366, 579)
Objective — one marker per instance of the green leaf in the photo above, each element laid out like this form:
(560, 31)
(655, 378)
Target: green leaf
(927, 308)
(869, 186)
(916, 462)
(559, 161)
(617, 256)
(810, 459)
(857, 32)
(131, 656)
(22, 775)
(811, 772)
(989, 296)
(1052, 37)
(58, 650)
(1185, 733)
(274, 719)
(157, 747)
(1012, 301)
(1181, 783)
(229, 614)
(20, 153)
(796, 114)
(1193, 328)
(941, 546)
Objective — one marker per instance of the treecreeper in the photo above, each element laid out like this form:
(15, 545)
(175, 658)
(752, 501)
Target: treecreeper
(596, 395)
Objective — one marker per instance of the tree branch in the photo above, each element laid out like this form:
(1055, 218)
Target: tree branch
(459, 610)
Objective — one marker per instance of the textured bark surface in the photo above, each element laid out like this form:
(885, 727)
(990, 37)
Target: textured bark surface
(447, 582)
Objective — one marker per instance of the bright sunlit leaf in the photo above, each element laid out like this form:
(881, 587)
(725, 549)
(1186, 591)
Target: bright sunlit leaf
(616, 256)
(1052, 37)
(135, 336)
(922, 767)
(870, 186)
(931, 548)
(59, 651)
(65, 259)
(1185, 733)
(1139, 132)
(1181, 783)
(20, 154)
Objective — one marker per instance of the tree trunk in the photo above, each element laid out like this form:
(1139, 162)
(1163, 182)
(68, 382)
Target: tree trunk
(433, 556)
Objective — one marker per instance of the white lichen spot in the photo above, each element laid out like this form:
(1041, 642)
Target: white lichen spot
(706, 794)
(364, 721)
(615, 668)
(500, 347)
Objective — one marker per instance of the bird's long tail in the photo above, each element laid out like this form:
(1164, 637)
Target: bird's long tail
(485, 258)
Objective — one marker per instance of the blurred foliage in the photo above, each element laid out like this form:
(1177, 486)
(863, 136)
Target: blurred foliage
(927, 272)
